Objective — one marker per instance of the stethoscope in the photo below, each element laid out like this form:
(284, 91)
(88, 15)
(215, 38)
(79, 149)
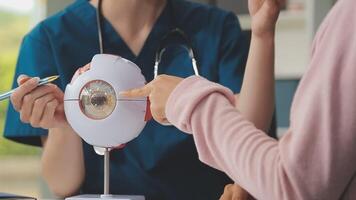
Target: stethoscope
(162, 47)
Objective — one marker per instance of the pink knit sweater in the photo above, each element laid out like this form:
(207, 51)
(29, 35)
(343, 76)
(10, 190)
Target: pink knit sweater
(316, 158)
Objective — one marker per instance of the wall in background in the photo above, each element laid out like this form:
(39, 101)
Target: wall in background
(54, 6)
(285, 90)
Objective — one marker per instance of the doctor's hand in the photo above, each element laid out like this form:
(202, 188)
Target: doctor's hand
(158, 92)
(42, 106)
(264, 14)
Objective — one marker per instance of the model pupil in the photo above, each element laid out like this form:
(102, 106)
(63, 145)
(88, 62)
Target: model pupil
(98, 100)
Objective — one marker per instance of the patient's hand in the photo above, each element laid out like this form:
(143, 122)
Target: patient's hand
(264, 14)
(158, 92)
(234, 192)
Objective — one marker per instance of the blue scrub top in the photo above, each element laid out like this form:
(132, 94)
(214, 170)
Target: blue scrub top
(162, 163)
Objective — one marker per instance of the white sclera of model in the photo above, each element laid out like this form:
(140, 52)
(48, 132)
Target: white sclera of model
(100, 116)
(118, 120)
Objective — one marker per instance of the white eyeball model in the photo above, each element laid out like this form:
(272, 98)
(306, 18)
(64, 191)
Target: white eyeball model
(94, 108)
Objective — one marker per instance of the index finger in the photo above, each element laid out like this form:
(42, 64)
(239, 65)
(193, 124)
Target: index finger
(22, 90)
(138, 92)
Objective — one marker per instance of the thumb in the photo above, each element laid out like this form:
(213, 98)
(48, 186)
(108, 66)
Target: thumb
(60, 108)
(58, 93)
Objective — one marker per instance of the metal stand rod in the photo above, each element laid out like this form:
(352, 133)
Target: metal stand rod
(107, 171)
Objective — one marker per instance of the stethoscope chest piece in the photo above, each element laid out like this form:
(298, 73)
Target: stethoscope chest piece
(94, 108)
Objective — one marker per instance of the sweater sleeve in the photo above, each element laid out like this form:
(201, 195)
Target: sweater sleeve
(315, 158)
(224, 139)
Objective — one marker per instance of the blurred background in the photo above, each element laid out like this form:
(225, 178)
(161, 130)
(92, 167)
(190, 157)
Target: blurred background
(20, 164)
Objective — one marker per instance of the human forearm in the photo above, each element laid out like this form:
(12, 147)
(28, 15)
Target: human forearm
(62, 161)
(226, 141)
(256, 100)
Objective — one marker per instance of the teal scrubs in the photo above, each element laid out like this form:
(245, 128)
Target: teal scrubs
(162, 163)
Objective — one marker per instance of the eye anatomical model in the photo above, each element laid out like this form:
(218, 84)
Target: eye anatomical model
(100, 116)
(94, 108)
